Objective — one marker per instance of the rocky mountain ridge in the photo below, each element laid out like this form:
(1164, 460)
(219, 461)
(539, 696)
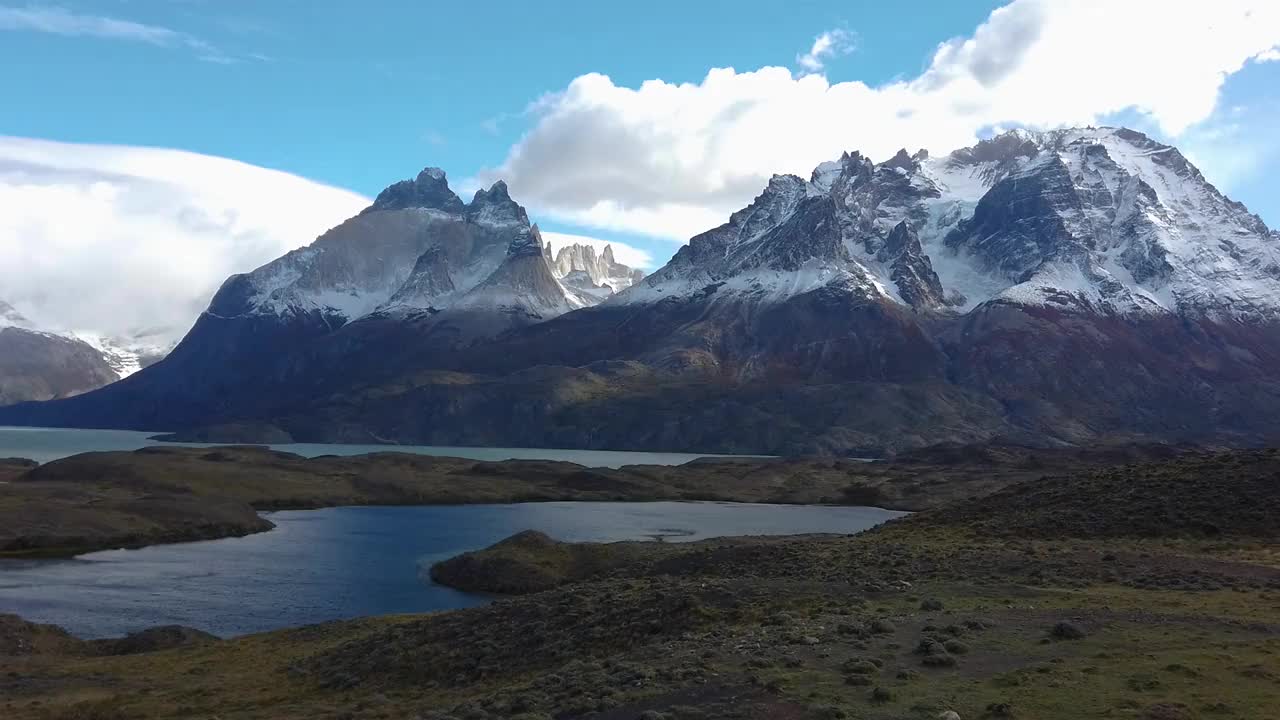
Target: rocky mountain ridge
(1049, 287)
(601, 275)
(417, 249)
(1107, 221)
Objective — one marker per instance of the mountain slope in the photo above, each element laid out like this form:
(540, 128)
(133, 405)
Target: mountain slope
(37, 365)
(1050, 287)
(418, 267)
(1102, 220)
(990, 273)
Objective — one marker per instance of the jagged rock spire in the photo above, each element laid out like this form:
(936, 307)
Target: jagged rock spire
(911, 269)
(429, 190)
(495, 207)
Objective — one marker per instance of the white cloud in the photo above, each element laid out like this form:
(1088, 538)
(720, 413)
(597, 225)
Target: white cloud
(60, 21)
(671, 160)
(121, 240)
(623, 253)
(827, 45)
(1272, 55)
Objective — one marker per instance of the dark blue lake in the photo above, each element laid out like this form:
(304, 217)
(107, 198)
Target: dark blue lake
(336, 563)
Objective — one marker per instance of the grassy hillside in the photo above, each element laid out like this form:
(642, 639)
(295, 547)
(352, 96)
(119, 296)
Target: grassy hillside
(1053, 599)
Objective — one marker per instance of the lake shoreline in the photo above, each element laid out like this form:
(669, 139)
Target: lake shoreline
(346, 562)
(166, 494)
(224, 490)
(1143, 589)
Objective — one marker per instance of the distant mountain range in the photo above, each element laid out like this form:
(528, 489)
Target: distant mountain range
(1046, 287)
(579, 267)
(37, 364)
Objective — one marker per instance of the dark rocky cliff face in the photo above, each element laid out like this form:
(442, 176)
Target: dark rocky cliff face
(1021, 223)
(912, 270)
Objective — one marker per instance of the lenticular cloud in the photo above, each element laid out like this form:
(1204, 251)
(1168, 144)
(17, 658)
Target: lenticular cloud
(120, 241)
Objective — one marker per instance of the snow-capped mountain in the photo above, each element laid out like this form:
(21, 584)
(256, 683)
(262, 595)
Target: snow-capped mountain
(1062, 286)
(418, 248)
(524, 282)
(127, 355)
(418, 270)
(600, 275)
(1101, 220)
(38, 365)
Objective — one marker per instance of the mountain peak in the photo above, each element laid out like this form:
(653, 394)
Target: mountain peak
(1106, 220)
(1005, 148)
(430, 190)
(495, 207)
(498, 190)
(900, 160)
(851, 169)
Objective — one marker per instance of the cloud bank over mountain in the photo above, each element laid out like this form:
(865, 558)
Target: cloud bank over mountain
(670, 160)
(123, 241)
(130, 242)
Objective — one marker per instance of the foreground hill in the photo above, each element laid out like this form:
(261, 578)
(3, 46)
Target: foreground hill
(922, 617)
(1048, 287)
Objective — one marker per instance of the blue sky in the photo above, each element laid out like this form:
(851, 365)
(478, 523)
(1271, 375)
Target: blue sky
(361, 94)
(620, 121)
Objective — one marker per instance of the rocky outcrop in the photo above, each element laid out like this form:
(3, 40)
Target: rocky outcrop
(911, 269)
(527, 562)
